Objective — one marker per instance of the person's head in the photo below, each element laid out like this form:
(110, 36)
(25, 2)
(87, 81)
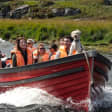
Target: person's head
(21, 43)
(53, 48)
(61, 41)
(76, 34)
(30, 43)
(67, 41)
(41, 48)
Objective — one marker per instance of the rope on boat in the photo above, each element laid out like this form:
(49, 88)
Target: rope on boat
(87, 60)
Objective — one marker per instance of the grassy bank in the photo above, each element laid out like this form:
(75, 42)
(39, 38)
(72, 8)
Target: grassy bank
(89, 8)
(105, 49)
(93, 32)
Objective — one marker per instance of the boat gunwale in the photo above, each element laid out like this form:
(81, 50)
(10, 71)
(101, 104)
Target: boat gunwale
(77, 57)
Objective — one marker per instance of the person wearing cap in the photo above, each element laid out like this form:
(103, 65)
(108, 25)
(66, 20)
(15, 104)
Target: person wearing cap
(30, 43)
(53, 49)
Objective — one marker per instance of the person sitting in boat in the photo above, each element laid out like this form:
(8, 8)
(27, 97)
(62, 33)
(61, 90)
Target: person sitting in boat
(22, 55)
(9, 60)
(40, 54)
(64, 49)
(61, 46)
(0, 59)
(30, 43)
(61, 41)
(53, 49)
(3, 59)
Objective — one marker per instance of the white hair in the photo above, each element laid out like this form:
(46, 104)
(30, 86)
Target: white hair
(30, 40)
(75, 32)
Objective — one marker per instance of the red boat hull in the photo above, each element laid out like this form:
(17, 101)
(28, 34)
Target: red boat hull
(63, 78)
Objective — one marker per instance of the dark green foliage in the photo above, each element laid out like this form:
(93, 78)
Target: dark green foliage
(108, 37)
(46, 3)
(48, 30)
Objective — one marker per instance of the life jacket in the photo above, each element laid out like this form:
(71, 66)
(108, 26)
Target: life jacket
(74, 52)
(35, 53)
(42, 58)
(32, 49)
(53, 56)
(63, 52)
(20, 59)
(9, 61)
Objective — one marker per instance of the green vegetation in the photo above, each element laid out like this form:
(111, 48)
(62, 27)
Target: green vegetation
(89, 8)
(95, 9)
(93, 32)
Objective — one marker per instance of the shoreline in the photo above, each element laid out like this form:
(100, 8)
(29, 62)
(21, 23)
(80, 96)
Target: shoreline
(107, 49)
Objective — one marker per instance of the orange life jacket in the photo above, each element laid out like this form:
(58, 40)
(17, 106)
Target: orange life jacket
(63, 52)
(53, 56)
(32, 49)
(35, 53)
(20, 59)
(9, 61)
(74, 52)
(42, 58)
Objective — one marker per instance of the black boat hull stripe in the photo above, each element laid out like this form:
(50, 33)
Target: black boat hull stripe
(50, 76)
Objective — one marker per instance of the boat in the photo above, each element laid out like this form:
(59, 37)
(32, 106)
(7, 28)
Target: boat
(74, 77)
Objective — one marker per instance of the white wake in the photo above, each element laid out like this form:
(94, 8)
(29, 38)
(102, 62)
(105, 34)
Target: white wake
(23, 96)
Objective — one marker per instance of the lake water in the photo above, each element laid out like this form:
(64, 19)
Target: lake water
(24, 99)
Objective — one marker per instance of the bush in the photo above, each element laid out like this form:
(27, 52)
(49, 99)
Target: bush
(92, 31)
(108, 37)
